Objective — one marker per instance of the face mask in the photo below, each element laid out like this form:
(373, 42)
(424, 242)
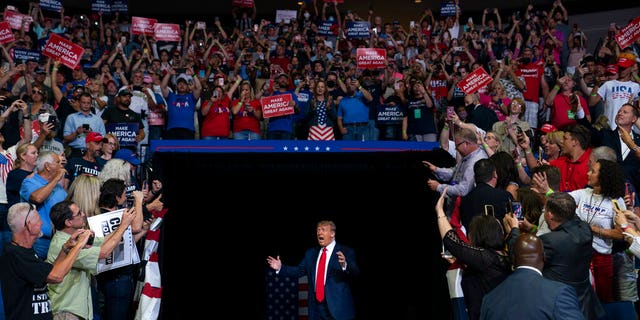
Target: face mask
(307, 15)
(469, 106)
(462, 115)
(524, 60)
(331, 83)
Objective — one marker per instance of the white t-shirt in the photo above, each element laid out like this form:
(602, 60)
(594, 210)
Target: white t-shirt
(596, 210)
(614, 94)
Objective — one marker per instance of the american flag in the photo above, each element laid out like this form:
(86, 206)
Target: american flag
(286, 297)
(321, 132)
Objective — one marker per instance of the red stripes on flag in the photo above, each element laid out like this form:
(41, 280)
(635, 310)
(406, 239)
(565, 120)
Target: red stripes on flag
(303, 298)
(321, 132)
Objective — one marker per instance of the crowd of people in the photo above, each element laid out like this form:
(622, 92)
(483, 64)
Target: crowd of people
(541, 136)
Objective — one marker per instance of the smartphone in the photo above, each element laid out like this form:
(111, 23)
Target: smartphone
(627, 188)
(450, 111)
(615, 204)
(86, 126)
(221, 81)
(255, 28)
(412, 24)
(445, 253)
(516, 208)
(488, 210)
(396, 85)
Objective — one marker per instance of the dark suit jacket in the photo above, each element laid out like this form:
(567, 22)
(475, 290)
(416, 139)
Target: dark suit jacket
(473, 203)
(567, 256)
(337, 287)
(611, 138)
(525, 294)
(482, 117)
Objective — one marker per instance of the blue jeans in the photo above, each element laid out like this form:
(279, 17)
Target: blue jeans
(246, 135)
(357, 133)
(118, 295)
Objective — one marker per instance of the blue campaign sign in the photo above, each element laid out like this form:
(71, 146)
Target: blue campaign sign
(327, 28)
(26, 55)
(448, 8)
(103, 6)
(120, 6)
(51, 5)
(125, 132)
(358, 30)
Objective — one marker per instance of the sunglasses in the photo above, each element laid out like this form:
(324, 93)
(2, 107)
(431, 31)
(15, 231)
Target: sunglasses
(31, 208)
(38, 92)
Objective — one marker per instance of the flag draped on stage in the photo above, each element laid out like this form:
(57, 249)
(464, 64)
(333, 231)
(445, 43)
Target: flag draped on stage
(286, 297)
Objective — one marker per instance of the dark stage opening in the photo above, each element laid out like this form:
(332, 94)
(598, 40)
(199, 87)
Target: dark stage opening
(235, 209)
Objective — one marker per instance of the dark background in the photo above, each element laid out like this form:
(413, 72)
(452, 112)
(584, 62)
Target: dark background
(229, 211)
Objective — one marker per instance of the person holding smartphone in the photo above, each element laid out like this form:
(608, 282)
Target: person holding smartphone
(487, 264)
(78, 125)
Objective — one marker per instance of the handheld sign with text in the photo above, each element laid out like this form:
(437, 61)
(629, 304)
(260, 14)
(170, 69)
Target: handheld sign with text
(140, 25)
(371, 58)
(474, 81)
(276, 106)
(59, 48)
(242, 3)
(15, 20)
(629, 33)
(167, 32)
(125, 252)
(6, 35)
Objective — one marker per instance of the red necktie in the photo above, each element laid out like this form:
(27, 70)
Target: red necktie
(320, 276)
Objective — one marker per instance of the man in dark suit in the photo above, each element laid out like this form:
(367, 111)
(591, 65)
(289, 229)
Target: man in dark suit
(567, 250)
(622, 140)
(478, 114)
(330, 268)
(525, 294)
(483, 194)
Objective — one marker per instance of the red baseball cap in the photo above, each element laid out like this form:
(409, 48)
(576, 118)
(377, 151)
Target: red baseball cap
(95, 136)
(625, 63)
(548, 127)
(612, 69)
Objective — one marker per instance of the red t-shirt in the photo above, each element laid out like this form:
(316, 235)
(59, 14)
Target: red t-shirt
(573, 175)
(559, 111)
(217, 123)
(532, 74)
(245, 120)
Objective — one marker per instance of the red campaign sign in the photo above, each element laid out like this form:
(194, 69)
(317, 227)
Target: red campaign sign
(59, 48)
(6, 34)
(371, 58)
(167, 32)
(629, 33)
(15, 19)
(276, 106)
(474, 81)
(141, 25)
(242, 3)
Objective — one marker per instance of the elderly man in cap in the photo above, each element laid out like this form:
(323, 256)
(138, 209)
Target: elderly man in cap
(616, 92)
(79, 124)
(181, 104)
(125, 123)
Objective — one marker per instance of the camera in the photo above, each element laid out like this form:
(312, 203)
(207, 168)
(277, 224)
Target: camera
(90, 240)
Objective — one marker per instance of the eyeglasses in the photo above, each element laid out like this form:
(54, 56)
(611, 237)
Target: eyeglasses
(38, 92)
(80, 212)
(31, 207)
(458, 144)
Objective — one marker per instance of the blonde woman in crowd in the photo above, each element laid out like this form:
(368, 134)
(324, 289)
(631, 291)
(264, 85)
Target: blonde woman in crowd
(85, 192)
(110, 147)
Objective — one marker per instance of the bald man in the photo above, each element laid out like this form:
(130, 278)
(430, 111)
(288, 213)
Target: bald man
(525, 294)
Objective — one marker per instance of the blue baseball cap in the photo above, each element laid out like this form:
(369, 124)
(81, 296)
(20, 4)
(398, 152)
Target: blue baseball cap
(127, 155)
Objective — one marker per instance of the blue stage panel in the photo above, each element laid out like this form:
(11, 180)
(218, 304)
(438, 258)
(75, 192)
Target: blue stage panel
(287, 146)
